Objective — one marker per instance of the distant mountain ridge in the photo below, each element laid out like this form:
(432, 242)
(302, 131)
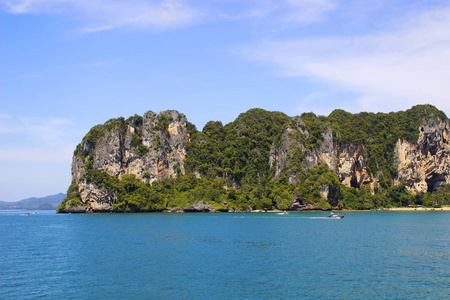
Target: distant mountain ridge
(48, 202)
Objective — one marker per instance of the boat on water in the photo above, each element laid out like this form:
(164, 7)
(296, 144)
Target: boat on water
(283, 213)
(336, 216)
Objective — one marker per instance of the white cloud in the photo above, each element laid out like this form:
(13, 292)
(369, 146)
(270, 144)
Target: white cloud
(34, 6)
(394, 69)
(50, 129)
(104, 15)
(38, 155)
(37, 140)
(321, 103)
(35, 155)
(273, 13)
(307, 11)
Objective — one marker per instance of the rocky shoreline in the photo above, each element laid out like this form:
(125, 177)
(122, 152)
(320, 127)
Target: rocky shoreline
(201, 207)
(197, 207)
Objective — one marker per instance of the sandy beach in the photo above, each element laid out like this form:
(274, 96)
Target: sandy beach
(412, 209)
(444, 208)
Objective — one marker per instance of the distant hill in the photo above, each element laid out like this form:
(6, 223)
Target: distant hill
(49, 202)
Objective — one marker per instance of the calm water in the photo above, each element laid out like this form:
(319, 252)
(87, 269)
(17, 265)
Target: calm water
(375, 255)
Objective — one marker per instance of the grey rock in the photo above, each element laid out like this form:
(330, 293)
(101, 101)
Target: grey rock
(200, 207)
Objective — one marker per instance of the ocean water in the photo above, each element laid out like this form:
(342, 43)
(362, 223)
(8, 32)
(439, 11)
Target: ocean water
(368, 255)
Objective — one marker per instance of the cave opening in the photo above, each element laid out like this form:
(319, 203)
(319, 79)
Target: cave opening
(354, 182)
(434, 182)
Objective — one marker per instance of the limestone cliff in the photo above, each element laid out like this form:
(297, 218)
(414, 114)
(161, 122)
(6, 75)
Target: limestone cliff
(424, 166)
(295, 155)
(151, 147)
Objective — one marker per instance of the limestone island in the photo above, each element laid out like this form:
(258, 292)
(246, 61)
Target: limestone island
(263, 161)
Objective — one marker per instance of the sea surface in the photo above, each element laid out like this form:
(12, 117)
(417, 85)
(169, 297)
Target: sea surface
(367, 255)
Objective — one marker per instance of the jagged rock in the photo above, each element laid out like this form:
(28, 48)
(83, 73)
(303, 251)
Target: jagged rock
(174, 210)
(347, 160)
(352, 166)
(426, 165)
(151, 149)
(96, 199)
(200, 207)
(298, 205)
(73, 209)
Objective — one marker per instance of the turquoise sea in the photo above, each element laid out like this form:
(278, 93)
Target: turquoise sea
(367, 255)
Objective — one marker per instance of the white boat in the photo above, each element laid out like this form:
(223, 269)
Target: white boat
(334, 216)
(283, 213)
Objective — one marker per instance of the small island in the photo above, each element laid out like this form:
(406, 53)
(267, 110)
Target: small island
(263, 161)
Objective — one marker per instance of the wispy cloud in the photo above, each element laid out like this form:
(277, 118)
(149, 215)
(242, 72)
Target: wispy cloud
(101, 15)
(49, 129)
(392, 69)
(275, 13)
(307, 11)
(36, 155)
(104, 15)
(37, 140)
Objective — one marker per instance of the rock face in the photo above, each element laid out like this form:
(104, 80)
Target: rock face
(151, 147)
(151, 150)
(426, 165)
(96, 199)
(348, 161)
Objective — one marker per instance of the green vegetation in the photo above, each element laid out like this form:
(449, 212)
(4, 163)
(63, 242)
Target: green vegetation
(439, 198)
(134, 195)
(239, 150)
(117, 126)
(233, 161)
(316, 180)
(136, 140)
(73, 198)
(163, 122)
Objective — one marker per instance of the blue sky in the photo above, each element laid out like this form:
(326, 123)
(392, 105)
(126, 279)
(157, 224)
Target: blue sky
(67, 65)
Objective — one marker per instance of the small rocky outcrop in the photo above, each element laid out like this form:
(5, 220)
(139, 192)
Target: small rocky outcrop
(95, 198)
(299, 205)
(200, 207)
(68, 208)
